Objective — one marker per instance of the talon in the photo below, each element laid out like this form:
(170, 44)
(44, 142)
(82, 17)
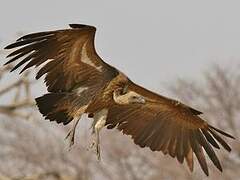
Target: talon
(91, 144)
(98, 153)
(70, 136)
(95, 145)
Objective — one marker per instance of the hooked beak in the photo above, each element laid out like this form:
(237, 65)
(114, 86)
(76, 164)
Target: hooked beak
(141, 100)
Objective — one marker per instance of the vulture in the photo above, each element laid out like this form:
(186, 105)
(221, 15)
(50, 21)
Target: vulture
(80, 82)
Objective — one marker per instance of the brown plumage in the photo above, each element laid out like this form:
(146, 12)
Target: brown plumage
(79, 82)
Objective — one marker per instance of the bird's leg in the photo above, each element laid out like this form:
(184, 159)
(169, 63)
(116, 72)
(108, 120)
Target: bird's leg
(93, 142)
(96, 127)
(98, 152)
(98, 123)
(71, 133)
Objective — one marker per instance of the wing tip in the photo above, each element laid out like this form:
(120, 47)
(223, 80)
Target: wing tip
(222, 132)
(8, 47)
(206, 172)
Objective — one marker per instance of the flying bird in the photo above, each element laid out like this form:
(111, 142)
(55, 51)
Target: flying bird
(80, 82)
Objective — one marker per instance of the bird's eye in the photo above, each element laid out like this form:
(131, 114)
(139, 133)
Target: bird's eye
(124, 90)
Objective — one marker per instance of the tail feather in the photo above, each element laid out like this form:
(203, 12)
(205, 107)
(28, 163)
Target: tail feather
(49, 104)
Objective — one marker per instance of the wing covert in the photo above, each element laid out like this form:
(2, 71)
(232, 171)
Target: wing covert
(68, 57)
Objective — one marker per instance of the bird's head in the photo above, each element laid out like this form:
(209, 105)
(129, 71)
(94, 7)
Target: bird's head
(124, 95)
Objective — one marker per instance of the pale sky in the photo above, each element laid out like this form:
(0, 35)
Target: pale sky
(150, 41)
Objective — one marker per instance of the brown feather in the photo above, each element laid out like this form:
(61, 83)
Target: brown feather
(180, 146)
(189, 158)
(199, 152)
(70, 63)
(163, 124)
(209, 150)
(156, 140)
(63, 50)
(221, 132)
(210, 138)
(173, 143)
(220, 140)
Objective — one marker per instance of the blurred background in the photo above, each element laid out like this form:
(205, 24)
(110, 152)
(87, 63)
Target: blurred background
(188, 50)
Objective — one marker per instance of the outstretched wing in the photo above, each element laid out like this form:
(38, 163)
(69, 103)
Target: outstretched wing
(168, 126)
(69, 58)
